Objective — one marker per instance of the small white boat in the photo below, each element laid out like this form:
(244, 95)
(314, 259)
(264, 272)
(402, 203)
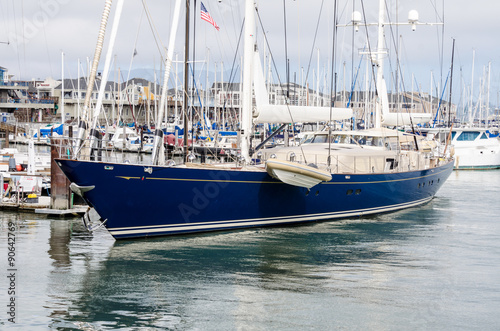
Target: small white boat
(125, 139)
(296, 174)
(472, 146)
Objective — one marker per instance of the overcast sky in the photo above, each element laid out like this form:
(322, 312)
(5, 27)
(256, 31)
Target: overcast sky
(37, 31)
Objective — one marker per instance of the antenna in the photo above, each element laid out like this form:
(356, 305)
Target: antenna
(356, 20)
(413, 19)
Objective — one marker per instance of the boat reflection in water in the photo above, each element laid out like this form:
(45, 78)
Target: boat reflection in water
(413, 268)
(271, 277)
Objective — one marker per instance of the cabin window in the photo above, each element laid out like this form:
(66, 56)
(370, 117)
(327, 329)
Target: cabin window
(377, 141)
(483, 136)
(335, 139)
(359, 139)
(468, 136)
(308, 139)
(344, 139)
(349, 192)
(320, 139)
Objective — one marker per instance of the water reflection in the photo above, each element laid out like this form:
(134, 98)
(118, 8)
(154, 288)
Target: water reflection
(423, 267)
(73, 251)
(230, 279)
(60, 236)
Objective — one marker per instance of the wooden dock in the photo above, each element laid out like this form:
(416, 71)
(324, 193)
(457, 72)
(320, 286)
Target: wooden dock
(43, 207)
(7, 127)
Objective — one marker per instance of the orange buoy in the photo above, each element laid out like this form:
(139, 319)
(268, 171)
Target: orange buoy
(19, 167)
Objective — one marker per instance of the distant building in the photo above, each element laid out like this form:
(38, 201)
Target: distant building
(363, 104)
(138, 100)
(20, 99)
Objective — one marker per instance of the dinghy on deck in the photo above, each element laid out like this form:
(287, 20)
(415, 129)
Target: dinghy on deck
(296, 174)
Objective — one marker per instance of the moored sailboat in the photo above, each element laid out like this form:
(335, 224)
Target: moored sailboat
(350, 179)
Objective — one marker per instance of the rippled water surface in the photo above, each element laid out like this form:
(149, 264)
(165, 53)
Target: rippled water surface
(432, 267)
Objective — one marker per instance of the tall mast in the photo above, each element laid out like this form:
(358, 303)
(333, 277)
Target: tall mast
(186, 83)
(382, 101)
(472, 89)
(451, 83)
(94, 134)
(247, 102)
(488, 95)
(82, 127)
(63, 111)
(168, 64)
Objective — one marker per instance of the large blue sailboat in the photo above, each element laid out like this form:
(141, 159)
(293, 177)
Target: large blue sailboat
(139, 201)
(335, 175)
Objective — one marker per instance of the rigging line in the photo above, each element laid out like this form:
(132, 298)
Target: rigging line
(352, 49)
(442, 47)
(5, 27)
(341, 14)
(314, 41)
(398, 65)
(193, 82)
(46, 42)
(399, 72)
(333, 91)
(201, 119)
(286, 52)
(440, 100)
(231, 77)
(369, 49)
(398, 69)
(287, 103)
(355, 79)
(223, 35)
(154, 30)
(451, 82)
(129, 105)
(398, 62)
(420, 96)
(298, 35)
(199, 97)
(17, 43)
(433, 4)
(224, 31)
(130, 65)
(24, 40)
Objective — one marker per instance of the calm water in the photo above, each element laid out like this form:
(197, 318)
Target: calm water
(433, 267)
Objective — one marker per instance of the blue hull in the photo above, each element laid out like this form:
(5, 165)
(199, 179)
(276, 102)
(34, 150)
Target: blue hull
(174, 200)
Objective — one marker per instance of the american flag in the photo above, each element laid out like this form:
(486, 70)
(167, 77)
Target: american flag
(206, 16)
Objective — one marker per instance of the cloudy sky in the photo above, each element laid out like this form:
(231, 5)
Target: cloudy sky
(34, 33)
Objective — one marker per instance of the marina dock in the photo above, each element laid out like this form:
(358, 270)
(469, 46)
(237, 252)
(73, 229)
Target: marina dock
(42, 207)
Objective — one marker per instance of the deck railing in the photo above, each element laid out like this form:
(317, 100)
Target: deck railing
(339, 163)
